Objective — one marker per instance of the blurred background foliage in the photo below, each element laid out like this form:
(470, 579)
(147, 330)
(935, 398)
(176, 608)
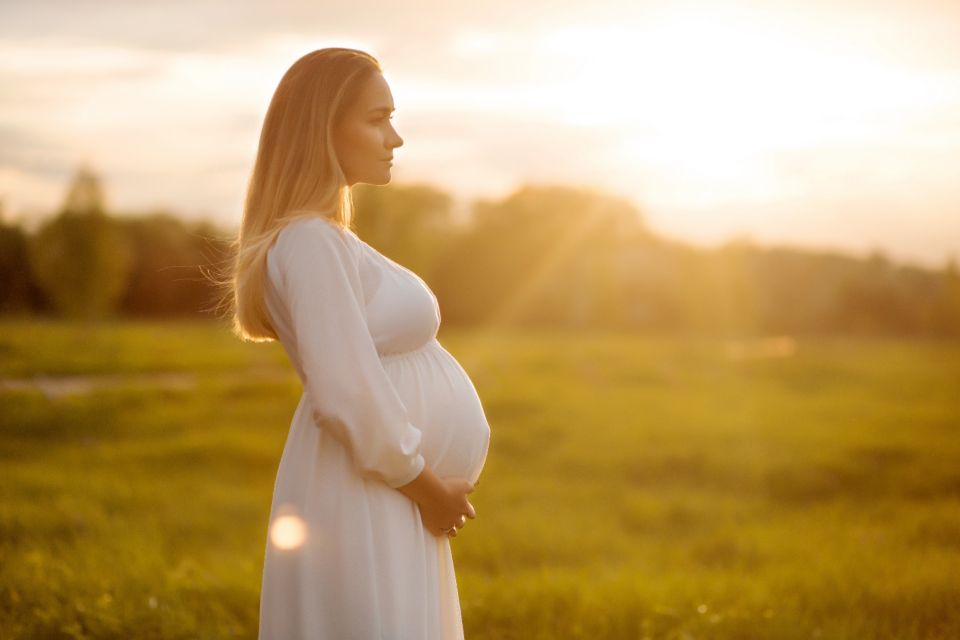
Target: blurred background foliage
(543, 256)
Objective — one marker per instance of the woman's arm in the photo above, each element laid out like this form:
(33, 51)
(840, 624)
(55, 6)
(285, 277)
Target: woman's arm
(350, 394)
(426, 487)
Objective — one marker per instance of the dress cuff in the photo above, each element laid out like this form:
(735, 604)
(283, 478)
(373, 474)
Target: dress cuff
(415, 469)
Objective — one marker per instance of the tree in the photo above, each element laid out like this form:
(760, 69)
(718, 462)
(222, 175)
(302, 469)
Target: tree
(945, 311)
(17, 293)
(166, 278)
(81, 258)
(409, 223)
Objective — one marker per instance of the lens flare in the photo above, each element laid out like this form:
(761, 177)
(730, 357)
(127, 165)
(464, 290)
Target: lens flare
(288, 532)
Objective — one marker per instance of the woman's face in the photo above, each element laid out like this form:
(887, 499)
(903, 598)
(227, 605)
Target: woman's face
(364, 139)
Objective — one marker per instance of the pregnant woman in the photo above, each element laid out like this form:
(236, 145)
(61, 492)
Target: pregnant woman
(389, 435)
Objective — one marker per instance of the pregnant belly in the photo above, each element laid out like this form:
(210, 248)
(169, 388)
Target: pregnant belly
(444, 405)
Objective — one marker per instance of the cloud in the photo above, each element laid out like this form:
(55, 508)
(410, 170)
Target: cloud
(33, 153)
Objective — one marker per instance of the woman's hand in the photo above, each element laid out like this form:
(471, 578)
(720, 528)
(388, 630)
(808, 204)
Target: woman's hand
(448, 508)
(443, 501)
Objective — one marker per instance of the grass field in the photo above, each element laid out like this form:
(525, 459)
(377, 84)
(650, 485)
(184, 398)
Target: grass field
(636, 487)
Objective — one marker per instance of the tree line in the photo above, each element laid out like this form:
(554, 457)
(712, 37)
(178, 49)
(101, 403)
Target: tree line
(543, 256)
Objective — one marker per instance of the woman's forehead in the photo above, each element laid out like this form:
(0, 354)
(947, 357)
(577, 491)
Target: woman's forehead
(376, 95)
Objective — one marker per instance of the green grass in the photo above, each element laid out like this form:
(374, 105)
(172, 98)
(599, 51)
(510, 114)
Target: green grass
(636, 487)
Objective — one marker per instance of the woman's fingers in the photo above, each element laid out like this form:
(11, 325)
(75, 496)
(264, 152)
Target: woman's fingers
(454, 529)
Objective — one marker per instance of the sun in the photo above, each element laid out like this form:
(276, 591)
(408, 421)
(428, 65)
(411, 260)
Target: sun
(711, 97)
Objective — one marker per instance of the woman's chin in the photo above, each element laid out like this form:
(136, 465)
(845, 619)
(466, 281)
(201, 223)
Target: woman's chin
(378, 180)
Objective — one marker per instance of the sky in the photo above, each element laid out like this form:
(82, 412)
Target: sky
(818, 124)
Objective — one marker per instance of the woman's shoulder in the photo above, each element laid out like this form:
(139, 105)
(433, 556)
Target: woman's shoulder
(306, 242)
(312, 232)
(317, 225)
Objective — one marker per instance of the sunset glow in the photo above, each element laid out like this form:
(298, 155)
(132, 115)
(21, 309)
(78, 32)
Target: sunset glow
(803, 124)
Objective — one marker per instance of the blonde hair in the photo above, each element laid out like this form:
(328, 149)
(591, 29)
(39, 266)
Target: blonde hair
(296, 175)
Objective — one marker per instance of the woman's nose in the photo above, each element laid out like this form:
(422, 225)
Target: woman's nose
(397, 141)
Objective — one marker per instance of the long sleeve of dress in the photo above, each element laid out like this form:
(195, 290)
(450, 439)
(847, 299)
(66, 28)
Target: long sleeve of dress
(348, 388)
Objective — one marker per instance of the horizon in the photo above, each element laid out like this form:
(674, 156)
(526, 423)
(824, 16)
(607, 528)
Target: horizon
(461, 216)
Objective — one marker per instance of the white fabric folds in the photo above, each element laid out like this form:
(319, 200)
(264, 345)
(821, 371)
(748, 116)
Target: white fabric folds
(347, 556)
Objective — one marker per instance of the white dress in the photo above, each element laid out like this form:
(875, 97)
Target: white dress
(347, 555)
